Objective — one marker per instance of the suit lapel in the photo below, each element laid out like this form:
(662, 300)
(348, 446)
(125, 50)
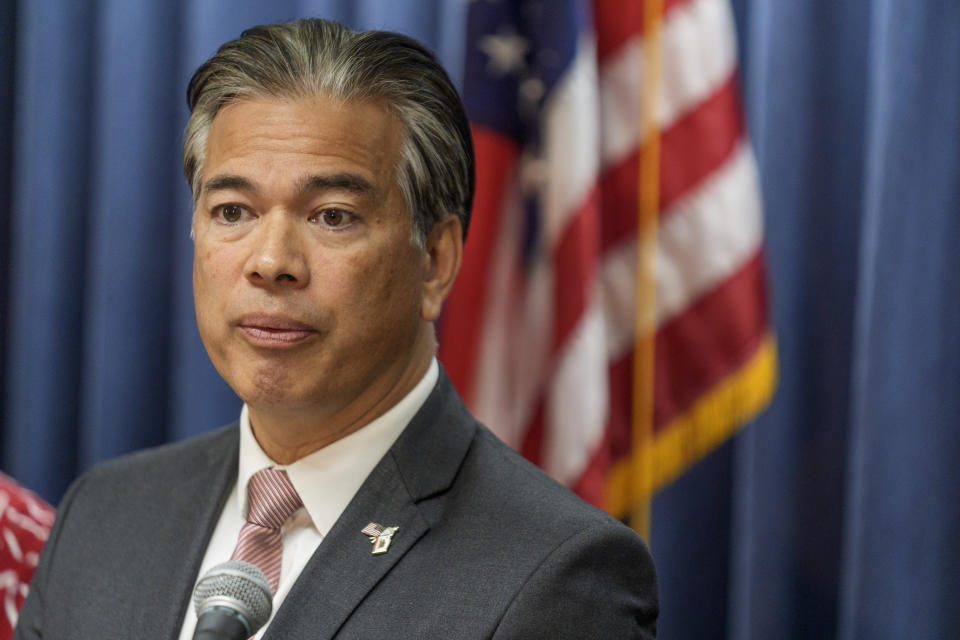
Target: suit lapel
(422, 463)
(193, 507)
(343, 569)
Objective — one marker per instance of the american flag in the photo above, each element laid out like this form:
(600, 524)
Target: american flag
(610, 321)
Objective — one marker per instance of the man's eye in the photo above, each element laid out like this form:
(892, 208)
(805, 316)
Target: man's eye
(335, 217)
(230, 212)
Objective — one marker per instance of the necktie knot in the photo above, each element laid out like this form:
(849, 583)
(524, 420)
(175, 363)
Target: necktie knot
(271, 498)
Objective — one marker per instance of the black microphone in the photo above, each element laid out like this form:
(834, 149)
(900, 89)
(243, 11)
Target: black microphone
(233, 601)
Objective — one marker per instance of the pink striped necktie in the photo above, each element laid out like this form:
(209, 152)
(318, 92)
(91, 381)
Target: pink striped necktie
(271, 499)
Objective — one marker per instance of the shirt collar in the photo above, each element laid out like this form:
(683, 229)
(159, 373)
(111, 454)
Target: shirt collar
(328, 478)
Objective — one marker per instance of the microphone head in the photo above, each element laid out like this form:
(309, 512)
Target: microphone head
(239, 586)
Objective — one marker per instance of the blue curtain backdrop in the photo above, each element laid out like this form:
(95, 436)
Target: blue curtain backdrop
(834, 515)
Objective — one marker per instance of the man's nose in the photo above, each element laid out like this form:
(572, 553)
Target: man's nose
(277, 258)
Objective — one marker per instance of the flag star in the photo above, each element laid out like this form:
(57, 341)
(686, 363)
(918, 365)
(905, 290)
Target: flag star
(506, 52)
(532, 89)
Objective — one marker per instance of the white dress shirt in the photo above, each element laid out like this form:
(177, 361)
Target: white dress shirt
(326, 480)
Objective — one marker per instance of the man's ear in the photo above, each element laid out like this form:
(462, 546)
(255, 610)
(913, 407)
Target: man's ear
(442, 254)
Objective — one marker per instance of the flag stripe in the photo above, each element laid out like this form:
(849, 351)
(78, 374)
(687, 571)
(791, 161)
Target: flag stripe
(575, 264)
(705, 239)
(699, 56)
(701, 117)
(618, 22)
(571, 140)
(725, 215)
(709, 340)
(532, 448)
(497, 154)
(694, 350)
(510, 361)
(707, 236)
(690, 150)
(699, 142)
(616, 443)
(576, 400)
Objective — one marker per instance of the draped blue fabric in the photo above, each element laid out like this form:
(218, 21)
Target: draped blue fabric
(833, 515)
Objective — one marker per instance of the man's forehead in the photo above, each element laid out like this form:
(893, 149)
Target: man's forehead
(269, 111)
(345, 143)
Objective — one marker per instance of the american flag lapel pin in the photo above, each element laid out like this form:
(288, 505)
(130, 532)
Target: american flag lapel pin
(380, 536)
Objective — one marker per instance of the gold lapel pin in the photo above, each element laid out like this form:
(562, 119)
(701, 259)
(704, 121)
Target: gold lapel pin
(380, 536)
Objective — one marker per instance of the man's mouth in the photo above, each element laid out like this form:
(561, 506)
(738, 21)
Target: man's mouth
(274, 330)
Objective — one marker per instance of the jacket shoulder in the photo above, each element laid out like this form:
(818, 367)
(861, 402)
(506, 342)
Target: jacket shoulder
(524, 557)
(526, 491)
(152, 464)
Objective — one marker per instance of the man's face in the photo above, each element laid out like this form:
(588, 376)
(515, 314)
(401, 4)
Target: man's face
(308, 288)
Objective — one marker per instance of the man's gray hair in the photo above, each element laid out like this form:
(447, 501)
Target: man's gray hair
(317, 57)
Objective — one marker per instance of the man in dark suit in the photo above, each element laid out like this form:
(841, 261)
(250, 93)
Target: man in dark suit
(332, 179)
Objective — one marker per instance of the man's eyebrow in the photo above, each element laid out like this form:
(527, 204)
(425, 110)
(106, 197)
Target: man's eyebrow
(224, 182)
(347, 181)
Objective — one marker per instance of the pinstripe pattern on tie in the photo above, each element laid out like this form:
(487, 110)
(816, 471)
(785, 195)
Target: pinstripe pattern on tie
(271, 499)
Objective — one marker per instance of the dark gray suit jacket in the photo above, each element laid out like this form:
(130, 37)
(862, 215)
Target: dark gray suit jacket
(488, 547)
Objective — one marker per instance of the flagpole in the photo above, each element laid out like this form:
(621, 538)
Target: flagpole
(648, 210)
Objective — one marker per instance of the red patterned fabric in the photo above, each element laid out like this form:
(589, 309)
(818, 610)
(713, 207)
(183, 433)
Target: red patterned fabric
(25, 521)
